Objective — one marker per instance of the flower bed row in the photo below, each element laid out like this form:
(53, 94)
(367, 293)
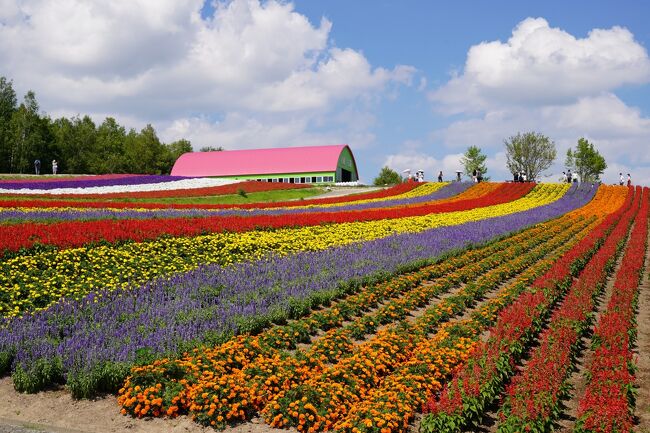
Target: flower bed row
(77, 233)
(35, 281)
(84, 182)
(295, 410)
(126, 185)
(425, 193)
(349, 379)
(608, 401)
(211, 302)
(478, 383)
(393, 405)
(389, 192)
(533, 396)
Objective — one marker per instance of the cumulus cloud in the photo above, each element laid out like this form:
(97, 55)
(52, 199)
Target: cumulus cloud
(546, 80)
(542, 65)
(161, 62)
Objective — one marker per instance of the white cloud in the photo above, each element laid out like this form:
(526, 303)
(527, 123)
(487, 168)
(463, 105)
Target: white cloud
(542, 65)
(160, 59)
(546, 80)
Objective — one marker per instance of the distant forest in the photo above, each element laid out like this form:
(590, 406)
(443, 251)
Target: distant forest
(77, 144)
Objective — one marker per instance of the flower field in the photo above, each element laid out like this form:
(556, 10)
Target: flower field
(351, 314)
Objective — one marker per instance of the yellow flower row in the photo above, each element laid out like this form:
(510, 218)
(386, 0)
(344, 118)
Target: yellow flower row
(33, 282)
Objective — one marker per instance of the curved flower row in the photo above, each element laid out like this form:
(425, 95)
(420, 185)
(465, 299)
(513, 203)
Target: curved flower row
(342, 383)
(421, 194)
(212, 301)
(18, 186)
(289, 333)
(606, 405)
(533, 396)
(59, 234)
(28, 335)
(35, 281)
(226, 189)
(478, 383)
(121, 185)
(391, 406)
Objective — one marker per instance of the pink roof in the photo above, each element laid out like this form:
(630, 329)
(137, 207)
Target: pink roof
(306, 159)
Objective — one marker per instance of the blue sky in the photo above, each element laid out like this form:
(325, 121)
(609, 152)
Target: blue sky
(406, 84)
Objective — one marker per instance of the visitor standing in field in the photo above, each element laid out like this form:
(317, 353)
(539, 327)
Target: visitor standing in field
(620, 179)
(55, 166)
(629, 180)
(564, 178)
(474, 176)
(37, 166)
(515, 176)
(440, 176)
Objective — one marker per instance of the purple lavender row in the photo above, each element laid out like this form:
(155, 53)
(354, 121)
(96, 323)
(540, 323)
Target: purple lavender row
(79, 183)
(18, 216)
(162, 316)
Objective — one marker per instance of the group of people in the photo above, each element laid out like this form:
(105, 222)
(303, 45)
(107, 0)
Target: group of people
(520, 176)
(37, 166)
(569, 177)
(621, 180)
(476, 175)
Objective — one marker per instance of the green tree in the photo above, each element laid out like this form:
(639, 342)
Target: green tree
(172, 152)
(109, 148)
(179, 147)
(586, 161)
(75, 143)
(530, 152)
(387, 176)
(474, 159)
(27, 137)
(8, 103)
(145, 153)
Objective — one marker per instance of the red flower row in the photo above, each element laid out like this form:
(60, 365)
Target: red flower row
(481, 380)
(248, 187)
(533, 396)
(606, 405)
(76, 233)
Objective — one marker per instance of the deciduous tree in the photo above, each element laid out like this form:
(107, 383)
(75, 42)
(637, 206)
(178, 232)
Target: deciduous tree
(530, 152)
(586, 161)
(387, 176)
(474, 159)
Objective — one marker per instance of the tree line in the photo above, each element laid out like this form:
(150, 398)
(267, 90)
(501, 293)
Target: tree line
(528, 154)
(77, 144)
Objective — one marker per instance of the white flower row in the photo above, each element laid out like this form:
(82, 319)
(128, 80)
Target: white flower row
(161, 186)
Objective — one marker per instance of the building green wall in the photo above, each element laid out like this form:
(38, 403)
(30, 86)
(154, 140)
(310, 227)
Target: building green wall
(346, 161)
(282, 175)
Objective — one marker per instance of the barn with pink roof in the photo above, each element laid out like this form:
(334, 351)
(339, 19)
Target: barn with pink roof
(307, 164)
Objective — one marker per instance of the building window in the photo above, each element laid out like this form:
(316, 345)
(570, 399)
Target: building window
(302, 180)
(319, 179)
(308, 180)
(274, 180)
(296, 180)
